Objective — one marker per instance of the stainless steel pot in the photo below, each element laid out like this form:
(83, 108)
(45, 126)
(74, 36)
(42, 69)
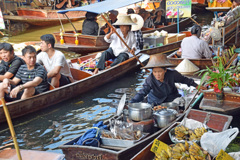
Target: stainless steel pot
(164, 117)
(139, 111)
(171, 105)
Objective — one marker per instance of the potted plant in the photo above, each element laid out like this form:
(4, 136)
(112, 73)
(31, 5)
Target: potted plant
(218, 77)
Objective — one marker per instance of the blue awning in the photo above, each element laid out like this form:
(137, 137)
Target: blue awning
(102, 7)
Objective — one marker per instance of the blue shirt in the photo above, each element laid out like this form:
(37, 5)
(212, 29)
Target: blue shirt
(160, 92)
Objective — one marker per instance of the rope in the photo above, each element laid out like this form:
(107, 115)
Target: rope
(60, 23)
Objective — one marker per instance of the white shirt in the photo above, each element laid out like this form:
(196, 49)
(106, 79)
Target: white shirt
(58, 59)
(118, 46)
(195, 48)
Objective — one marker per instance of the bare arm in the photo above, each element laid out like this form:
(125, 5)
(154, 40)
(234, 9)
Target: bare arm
(54, 72)
(7, 75)
(35, 82)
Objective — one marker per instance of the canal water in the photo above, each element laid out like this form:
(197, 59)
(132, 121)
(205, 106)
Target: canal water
(51, 127)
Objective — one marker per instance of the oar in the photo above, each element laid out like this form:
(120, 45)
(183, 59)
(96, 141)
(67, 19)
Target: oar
(122, 41)
(194, 21)
(9, 121)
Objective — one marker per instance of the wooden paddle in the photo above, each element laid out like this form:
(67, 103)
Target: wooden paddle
(9, 121)
(194, 21)
(123, 41)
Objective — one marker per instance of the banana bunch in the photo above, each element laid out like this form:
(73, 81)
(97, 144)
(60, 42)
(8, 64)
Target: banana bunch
(182, 151)
(164, 155)
(196, 153)
(181, 132)
(197, 133)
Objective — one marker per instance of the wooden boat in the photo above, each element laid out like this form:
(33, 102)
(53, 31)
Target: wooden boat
(43, 17)
(90, 43)
(172, 28)
(76, 152)
(22, 107)
(230, 104)
(30, 154)
(201, 63)
(87, 43)
(217, 122)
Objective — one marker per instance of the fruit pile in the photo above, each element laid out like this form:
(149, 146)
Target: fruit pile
(182, 152)
(183, 133)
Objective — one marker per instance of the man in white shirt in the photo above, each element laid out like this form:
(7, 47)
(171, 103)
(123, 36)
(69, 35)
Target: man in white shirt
(117, 49)
(54, 61)
(193, 47)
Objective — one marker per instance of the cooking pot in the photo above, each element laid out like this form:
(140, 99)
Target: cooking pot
(171, 105)
(164, 117)
(139, 111)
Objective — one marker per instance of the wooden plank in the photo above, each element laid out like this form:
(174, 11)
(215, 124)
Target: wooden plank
(226, 107)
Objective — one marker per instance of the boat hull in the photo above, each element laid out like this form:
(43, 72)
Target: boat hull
(41, 17)
(77, 152)
(22, 107)
(86, 43)
(214, 121)
(200, 63)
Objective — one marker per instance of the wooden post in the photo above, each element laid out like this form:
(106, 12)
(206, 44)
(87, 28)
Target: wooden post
(9, 121)
(123, 41)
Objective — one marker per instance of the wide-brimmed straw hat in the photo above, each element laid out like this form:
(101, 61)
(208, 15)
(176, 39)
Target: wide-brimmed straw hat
(158, 60)
(138, 20)
(186, 67)
(124, 20)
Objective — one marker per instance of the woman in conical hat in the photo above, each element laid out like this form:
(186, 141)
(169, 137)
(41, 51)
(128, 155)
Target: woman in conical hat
(160, 84)
(117, 50)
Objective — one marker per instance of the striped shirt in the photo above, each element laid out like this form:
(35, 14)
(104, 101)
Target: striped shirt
(28, 75)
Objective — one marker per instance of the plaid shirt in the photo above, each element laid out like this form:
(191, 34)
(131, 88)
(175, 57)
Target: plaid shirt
(139, 38)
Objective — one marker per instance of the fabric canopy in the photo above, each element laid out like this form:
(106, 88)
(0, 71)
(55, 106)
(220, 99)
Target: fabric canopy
(103, 6)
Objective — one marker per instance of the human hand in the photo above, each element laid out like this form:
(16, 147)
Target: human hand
(6, 83)
(14, 92)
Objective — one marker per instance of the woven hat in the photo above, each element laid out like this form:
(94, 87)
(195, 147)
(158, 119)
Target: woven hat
(158, 60)
(186, 67)
(124, 20)
(138, 20)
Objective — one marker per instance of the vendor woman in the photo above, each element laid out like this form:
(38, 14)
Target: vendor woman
(159, 87)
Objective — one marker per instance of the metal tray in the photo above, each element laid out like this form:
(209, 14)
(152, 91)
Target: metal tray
(120, 142)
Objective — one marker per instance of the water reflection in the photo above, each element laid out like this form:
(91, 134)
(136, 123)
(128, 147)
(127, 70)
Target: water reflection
(54, 126)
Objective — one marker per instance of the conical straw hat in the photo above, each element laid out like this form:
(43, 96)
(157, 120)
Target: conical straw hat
(158, 60)
(186, 67)
(124, 20)
(138, 20)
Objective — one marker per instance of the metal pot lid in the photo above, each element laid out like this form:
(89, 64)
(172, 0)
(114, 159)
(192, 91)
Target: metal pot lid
(166, 112)
(139, 106)
(121, 104)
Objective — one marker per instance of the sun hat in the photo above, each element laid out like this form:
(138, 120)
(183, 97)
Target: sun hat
(186, 67)
(138, 20)
(158, 60)
(124, 20)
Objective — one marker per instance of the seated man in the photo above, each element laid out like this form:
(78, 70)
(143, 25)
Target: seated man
(63, 4)
(117, 48)
(90, 26)
(54, 61)
(193, 47)
(10, 63)
(31, 78)
(159, 86)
